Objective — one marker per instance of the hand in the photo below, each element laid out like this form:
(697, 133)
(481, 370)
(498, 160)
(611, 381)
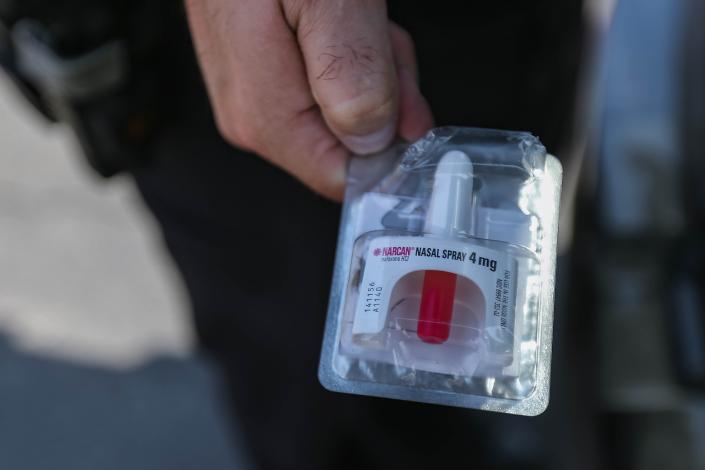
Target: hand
(304, 82)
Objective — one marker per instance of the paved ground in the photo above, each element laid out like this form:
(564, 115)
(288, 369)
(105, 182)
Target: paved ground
(96, 363)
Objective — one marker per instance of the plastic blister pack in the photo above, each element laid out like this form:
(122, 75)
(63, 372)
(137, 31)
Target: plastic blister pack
(444, 276)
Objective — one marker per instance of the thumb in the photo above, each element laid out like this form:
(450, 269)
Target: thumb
(350, 67)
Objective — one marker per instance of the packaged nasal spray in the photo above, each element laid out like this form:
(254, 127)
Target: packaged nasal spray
(444, 277)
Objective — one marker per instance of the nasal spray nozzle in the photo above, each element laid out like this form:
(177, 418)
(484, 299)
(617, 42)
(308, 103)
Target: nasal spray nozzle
(447, 216)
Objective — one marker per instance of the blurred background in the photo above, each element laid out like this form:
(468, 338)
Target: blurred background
(100, 365)
(97, 360)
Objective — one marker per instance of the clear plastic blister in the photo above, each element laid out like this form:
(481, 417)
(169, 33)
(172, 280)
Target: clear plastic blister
(444, 276)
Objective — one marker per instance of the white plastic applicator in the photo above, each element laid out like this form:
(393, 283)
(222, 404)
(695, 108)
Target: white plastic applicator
(448, 215)
(452, 189)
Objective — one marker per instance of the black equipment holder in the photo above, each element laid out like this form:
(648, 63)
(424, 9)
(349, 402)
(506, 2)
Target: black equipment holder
(97, 65)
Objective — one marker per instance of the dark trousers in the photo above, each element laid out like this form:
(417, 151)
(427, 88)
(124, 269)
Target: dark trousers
(256, 248)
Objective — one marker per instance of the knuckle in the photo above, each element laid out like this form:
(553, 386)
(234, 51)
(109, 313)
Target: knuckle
(402, 40)
(308, 11)
(404, 37)
(323, 154)
(233, 118)
(238, 133)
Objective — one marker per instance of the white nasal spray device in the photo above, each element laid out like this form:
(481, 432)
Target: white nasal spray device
(447, 216)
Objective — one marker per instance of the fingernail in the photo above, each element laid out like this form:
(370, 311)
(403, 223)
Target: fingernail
(370, 143)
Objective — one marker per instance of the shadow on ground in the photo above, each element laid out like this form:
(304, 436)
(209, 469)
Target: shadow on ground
(166, 414)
